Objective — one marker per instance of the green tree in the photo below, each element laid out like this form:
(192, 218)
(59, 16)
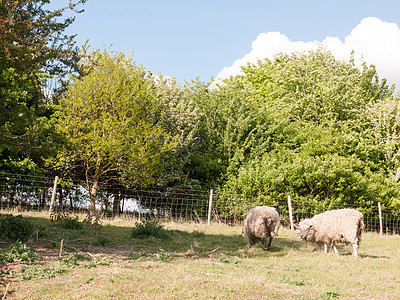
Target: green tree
(382, 139)
(33, 50)
(203, 160)
(298, 125)
(109, 119)
(178, 115)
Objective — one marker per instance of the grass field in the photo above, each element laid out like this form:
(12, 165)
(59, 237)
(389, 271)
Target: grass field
(199, 262)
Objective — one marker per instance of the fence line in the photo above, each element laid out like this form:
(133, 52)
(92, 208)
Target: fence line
(24, 193)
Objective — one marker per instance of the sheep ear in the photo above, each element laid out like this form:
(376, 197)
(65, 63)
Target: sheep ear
(311, 227)
(296, 226)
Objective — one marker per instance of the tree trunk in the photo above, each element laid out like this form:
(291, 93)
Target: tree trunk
(93, 193)
(93, 189)
(116, 204)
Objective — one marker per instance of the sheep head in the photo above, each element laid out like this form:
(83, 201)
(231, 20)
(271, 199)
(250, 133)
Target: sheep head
(305, 229)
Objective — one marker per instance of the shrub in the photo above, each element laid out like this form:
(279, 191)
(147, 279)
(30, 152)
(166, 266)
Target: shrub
(66, 220)
(15, 228)
(149, 228)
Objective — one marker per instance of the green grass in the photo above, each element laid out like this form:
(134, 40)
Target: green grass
(202, 262)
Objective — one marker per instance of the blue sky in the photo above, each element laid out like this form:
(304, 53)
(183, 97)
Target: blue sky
(190, 38)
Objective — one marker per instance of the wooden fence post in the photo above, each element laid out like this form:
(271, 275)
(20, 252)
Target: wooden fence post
(53, 196)
(290, 212)
(380, 219)
(210, 207)
(61, 248)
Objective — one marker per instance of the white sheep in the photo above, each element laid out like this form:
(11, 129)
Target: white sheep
(334, 226)
(260, 223)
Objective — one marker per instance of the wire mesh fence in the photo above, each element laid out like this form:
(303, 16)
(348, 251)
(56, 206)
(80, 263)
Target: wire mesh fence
(26, 193)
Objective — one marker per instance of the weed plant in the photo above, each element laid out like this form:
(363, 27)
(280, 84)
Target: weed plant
(149, 229)
(162, 255)
(102, 260)
(18, 252)
(36, 271)
(73, 260)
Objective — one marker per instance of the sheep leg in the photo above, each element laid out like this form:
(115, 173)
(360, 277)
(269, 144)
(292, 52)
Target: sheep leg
(269, 243)
(265, 247)
(334, 248)
(355, 249)
(264, 244)
(325, 247)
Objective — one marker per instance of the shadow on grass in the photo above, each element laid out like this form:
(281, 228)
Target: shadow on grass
(367, 255)
(117, 240)
(198, 244)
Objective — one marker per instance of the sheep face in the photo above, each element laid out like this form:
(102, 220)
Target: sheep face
(305, 230)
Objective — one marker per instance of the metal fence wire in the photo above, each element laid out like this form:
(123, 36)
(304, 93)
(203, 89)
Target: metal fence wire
(26, 193)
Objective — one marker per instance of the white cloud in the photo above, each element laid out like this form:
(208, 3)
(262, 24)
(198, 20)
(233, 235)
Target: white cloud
(375, 41)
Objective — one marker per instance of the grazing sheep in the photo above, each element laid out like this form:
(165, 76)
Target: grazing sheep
(334, 226)
(260, 223)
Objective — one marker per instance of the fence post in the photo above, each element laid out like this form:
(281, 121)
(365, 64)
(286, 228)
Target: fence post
(380, 219)
(53, 196)
(210, 207)
(290, 212)
(61, 248)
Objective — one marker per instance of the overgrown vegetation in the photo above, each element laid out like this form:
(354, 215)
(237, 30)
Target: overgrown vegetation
(15, 228)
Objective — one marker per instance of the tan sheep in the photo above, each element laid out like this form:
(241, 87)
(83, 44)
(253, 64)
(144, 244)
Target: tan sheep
(332, 227)
(260, 223)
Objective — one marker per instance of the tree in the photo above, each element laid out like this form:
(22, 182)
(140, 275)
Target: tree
(33, 50)
(383, 135)
(32, 38)
(301, 124)
(108, 118)
(179, 115)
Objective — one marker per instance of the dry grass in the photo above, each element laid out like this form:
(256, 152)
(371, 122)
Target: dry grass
(211, 262)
